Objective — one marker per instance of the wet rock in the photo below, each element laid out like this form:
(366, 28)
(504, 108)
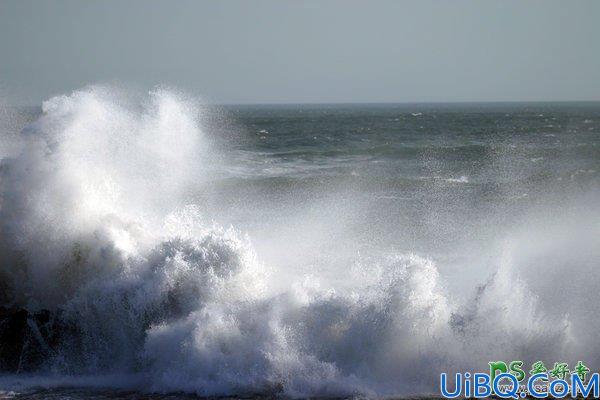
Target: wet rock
(27, 340)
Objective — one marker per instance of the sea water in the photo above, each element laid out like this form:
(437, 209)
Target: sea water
(301, 250)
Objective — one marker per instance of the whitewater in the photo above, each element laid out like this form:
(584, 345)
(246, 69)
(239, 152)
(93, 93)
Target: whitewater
(109, 219)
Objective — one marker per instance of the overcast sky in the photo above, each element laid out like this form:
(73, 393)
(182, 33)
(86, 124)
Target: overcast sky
(305, 51)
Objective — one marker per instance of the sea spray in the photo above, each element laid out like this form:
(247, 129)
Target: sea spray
(97, 225)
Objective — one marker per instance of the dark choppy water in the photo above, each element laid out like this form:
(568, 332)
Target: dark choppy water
(420, 177)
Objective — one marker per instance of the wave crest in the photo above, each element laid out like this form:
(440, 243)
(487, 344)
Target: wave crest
(95, 225)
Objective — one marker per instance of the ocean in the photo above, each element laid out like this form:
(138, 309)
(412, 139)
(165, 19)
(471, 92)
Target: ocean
(161, 246)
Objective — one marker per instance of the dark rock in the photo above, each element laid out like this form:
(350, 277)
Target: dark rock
(27, 340)
(12, 332)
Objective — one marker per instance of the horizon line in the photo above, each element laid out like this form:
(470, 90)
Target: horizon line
(404, 102)
(349, 103)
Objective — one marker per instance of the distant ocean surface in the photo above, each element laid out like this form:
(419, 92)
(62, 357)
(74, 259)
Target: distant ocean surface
(294, 250)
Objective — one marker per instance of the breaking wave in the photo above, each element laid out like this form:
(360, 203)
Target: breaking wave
(97, 227)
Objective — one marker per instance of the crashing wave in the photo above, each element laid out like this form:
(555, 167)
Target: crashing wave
(96, 228)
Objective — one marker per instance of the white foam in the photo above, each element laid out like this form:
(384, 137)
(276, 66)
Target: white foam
(93, 211)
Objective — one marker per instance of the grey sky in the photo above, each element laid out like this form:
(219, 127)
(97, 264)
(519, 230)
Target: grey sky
(306, 51)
